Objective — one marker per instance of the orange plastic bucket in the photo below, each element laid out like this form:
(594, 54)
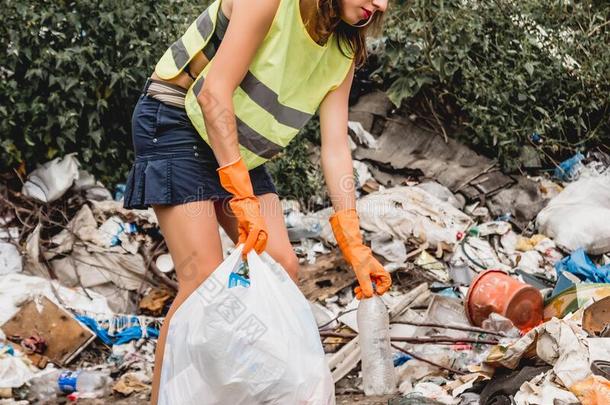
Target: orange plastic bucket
(496, 291)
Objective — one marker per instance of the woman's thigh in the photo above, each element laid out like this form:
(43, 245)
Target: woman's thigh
(278, 244)
(191, 233)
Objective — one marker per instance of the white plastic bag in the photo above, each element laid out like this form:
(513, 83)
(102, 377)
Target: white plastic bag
(578, 216)
(256, 344)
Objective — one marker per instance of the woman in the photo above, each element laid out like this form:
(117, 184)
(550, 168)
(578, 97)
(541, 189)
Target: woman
(225, 98)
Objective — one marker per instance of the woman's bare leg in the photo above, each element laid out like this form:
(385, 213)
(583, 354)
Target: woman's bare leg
(191, 233)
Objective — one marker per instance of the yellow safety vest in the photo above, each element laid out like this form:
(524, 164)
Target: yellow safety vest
(287, 80)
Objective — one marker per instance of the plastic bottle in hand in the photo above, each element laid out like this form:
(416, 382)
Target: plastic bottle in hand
(47, 386)
(378, 376)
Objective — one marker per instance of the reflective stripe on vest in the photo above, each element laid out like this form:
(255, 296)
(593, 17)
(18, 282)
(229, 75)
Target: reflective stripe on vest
(185, 48)
(287, 79)
(248, 137)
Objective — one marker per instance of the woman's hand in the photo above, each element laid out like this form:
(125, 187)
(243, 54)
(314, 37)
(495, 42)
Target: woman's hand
(251, 226)
(346, 228)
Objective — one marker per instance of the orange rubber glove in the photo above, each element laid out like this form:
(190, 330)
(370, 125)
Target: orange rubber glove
(346, 228)
(235, 178)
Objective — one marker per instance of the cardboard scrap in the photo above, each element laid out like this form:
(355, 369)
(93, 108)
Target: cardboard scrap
(327, 276)
(65, 336)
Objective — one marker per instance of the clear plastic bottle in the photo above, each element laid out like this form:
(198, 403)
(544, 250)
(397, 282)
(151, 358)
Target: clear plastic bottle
(47, 386)
(378, 377)
(302, 227)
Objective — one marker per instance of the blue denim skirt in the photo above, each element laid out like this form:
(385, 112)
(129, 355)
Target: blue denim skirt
(173, 164)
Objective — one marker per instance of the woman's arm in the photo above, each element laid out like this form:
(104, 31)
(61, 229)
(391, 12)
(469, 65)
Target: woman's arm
(250, 21)
(249, 24)
(336, 155)
(338, 172)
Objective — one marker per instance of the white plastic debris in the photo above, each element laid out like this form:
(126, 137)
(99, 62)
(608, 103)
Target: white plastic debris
(363, 173)
(10, 259)
(393, 250)
(89, 269)
(531, 262)
(405, 212)
(363, 137)
(110, 231)
(16, 289)
(573, 218)
(413, 371)
(52, 179)
(107, 208)
(84, 181)
(494, 228)
(434, 391)
(442, 193)
(478, 254)
(542, 390)
(7, 234)
(112, 235)
(15, 370)
(32, 263)
(324, 316)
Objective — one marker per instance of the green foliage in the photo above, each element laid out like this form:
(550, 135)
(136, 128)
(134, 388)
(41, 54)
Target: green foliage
(71, 75)
(502, 70)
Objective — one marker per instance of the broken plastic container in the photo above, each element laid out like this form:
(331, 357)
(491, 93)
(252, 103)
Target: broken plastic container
(496, 291)
(378, 377)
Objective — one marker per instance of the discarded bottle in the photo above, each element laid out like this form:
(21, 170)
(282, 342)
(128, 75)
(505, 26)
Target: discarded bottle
(378, 376)
(46, 387)
(304, 228)
(300, 226)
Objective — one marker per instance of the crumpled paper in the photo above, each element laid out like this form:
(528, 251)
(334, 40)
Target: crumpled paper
(560, 343)
(542, 390)
(83, 228)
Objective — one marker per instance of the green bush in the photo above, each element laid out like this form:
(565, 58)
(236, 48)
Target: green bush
(71, 75)
(501, 70)
(72, 71)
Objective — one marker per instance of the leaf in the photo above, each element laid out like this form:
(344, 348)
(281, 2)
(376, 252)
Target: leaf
(399, 90)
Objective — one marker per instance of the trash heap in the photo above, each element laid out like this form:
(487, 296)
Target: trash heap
(501, 284)
(81, 303)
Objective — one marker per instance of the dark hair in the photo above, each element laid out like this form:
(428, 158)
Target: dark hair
(351, 40)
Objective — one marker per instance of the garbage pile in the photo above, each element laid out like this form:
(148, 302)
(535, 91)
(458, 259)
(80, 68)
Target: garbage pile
(491, 304)
(80, 306)
(501, 284)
